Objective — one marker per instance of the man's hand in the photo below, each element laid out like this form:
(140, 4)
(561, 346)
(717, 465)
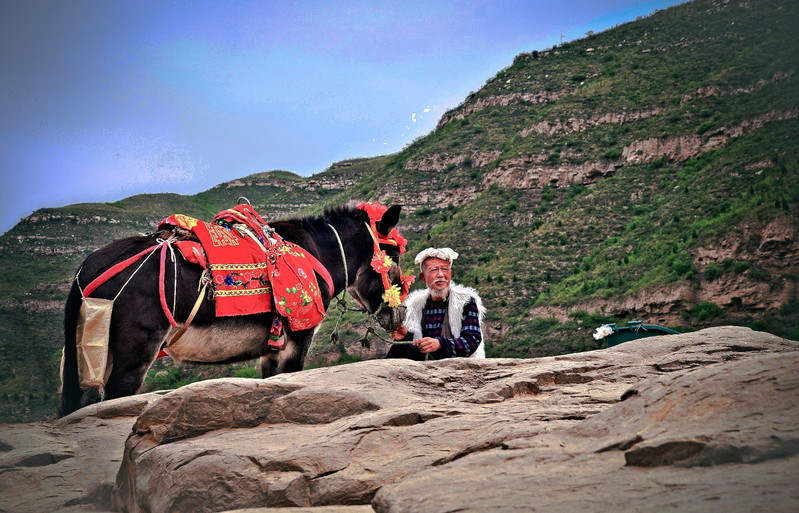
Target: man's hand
(428, 345)
(399, 333)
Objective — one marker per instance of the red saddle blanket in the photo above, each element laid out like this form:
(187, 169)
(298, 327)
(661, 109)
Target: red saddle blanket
(251, 271)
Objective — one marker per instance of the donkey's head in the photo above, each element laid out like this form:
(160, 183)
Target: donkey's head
(379, 285)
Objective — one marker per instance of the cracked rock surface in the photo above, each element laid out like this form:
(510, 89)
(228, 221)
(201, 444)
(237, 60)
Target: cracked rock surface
(706, 421)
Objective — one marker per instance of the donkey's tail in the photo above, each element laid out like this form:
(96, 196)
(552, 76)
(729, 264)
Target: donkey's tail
(71, 393)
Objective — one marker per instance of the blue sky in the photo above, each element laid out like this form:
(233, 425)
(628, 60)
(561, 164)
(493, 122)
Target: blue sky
(103, 99)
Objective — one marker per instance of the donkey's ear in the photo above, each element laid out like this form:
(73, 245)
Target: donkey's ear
(389, 220)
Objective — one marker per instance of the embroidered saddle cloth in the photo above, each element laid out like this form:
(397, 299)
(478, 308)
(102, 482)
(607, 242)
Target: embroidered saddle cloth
(253, 271)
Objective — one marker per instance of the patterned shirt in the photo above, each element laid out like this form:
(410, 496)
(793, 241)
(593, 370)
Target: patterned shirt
(469, 337)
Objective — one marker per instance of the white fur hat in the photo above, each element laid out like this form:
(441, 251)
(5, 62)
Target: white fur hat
(443, 253)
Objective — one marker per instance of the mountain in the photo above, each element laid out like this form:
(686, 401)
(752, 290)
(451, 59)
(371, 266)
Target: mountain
(649, 172)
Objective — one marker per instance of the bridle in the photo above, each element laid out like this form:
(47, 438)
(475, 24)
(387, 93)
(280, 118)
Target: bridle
(393, 295)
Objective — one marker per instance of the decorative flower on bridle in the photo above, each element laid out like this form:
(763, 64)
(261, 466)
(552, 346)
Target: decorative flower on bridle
(381, 262)
(393, 295)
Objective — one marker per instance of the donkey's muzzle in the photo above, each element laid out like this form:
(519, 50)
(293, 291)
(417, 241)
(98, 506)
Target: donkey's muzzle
(391, 318)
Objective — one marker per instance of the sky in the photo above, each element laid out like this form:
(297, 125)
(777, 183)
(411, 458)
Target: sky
(104, 99)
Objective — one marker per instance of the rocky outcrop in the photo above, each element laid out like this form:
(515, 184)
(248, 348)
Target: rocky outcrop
(525, 173)
(765, 281)
(438, 163)
(713, 91)
(698, 421)
(576, 124)
(735, 294)
(68, 465)
(571, 125)
(684, 147)
(535, 172)
(290, 185)
(471, 106)
(690, 440)
(532, 171)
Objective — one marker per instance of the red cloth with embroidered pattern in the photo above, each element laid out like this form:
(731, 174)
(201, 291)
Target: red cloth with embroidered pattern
(248, 268)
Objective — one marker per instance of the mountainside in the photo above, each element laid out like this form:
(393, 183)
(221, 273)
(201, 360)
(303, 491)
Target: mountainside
(647, 172)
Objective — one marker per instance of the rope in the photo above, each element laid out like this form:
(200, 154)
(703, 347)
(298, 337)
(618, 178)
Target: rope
(116, 269)
(202, 286)
(343, 257)
(77, 281)
(341, 300)
(152, 252)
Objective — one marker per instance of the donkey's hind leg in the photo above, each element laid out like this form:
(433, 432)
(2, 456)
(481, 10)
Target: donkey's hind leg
(131, 363)
(269, 365)
(292, 357)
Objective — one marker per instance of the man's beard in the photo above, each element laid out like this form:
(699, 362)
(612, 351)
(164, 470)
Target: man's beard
(439, 295)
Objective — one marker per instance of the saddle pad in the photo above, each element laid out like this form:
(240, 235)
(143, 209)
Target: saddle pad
(238, 267)
(245, 278)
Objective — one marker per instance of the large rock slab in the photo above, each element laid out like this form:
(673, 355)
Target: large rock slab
(708, 418)
(697, 422)
(67, 465)
(721, 438)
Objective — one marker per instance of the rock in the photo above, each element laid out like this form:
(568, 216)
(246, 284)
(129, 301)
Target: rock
(69, 464)
(699, 421)
(715, 438)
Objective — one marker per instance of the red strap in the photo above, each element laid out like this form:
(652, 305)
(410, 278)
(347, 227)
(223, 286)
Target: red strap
(161, 288)
(118, 268)
(322, 271)
(113, 271)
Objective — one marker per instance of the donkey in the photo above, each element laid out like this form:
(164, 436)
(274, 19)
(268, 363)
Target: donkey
(340, 239)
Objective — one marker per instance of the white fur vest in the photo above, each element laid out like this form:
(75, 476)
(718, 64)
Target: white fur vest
(459, 297)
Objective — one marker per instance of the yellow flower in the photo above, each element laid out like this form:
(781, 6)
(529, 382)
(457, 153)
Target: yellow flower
(392, 296)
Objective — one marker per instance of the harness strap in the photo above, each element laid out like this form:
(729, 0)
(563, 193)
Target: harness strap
(204, 280)
(113, 271)
(121, 266)
(161, 287)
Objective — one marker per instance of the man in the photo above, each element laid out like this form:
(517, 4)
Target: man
(444, 320)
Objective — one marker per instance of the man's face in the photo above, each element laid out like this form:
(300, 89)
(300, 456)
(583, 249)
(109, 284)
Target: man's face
(436, 273)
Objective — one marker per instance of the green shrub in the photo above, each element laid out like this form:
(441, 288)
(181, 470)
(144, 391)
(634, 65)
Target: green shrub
(704, 127)
(704, 311)
(712, 271)
(510, 207)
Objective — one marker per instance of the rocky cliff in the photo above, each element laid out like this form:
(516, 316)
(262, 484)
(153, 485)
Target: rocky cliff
(707, 421)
